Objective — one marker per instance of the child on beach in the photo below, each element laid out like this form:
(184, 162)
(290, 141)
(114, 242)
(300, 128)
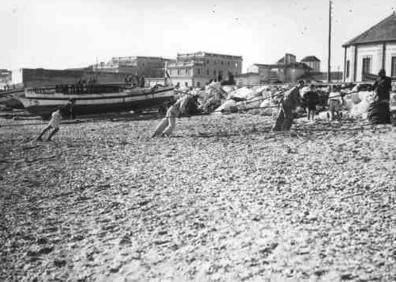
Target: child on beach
(335, 103)
(54, 123)
(311, 99)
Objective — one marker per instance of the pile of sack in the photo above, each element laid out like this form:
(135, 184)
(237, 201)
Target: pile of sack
(357, 104)
(265, 98)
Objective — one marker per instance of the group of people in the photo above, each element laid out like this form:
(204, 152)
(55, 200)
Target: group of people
(81, 87)
(379, 111)
(7, 87)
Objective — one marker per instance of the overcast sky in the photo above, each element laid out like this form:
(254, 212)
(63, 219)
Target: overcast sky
(75, 33)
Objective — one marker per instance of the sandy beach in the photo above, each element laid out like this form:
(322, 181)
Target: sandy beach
(222, 200)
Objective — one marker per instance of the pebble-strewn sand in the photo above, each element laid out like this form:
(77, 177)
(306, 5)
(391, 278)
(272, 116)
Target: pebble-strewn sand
(223, 200)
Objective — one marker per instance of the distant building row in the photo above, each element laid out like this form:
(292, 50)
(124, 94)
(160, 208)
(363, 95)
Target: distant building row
(136, 65)
(197, 69)
(286, 69)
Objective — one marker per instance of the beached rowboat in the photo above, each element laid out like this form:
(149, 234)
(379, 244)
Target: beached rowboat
(99, 99)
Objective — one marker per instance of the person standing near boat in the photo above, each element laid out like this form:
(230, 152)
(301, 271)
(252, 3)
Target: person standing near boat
(53, 124)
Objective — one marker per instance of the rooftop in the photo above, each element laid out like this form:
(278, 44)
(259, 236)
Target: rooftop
(203, 54)
(381, 32)
(310, 59)
(290, 65)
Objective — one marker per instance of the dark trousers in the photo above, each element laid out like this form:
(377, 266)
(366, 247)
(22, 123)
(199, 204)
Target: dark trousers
(53, 132)
(284, 120)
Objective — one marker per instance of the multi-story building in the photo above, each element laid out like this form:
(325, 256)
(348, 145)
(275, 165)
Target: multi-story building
(371, 51)
(197, 69)
(287, 69)
(287, 59)
(312, 62)
(136, 65)
(5, 78)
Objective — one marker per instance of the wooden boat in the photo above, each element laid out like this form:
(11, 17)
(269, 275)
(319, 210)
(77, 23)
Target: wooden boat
(95, 98)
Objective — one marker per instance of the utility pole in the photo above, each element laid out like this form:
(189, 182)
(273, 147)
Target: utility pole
(329, 50)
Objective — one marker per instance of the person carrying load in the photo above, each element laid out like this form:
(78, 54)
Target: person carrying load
(289, 103)
(168, 124)
(53, 124)
(379, 111)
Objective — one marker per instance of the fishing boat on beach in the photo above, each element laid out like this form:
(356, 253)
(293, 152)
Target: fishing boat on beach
(98, 98)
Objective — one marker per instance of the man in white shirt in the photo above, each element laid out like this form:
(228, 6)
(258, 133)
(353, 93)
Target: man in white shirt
(167, 124)
(54, 123)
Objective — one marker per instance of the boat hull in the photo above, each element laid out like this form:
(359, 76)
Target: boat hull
(44, 104)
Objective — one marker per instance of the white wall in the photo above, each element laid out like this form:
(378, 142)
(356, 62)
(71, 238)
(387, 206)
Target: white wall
(253, 68)
(350, 57)
(389, 53)
(16, 77)
(375, 53)
(371, 51)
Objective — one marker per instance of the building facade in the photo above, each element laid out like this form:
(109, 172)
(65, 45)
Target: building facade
(248, 79)
(287, 59)
(197, 69)
(5, 78)
(135, 65)
(371, 51)
(312, 62)
(286, 70)
(25, 77)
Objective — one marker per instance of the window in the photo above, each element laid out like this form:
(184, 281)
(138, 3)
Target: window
(207, 72)
(228, 63)
(214, 72)
(199, 71)
(366, 63)
(393, 70)
(186, 84)
(178, 71)
(198, 84)
(222, 62)
(347, 68)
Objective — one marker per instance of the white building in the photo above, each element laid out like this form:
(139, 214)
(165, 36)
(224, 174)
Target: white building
(313, 62)
(197, 69)
(371, 51)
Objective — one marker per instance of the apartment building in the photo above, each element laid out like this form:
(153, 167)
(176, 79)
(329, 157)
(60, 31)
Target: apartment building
(136, 65)
(197, 69)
